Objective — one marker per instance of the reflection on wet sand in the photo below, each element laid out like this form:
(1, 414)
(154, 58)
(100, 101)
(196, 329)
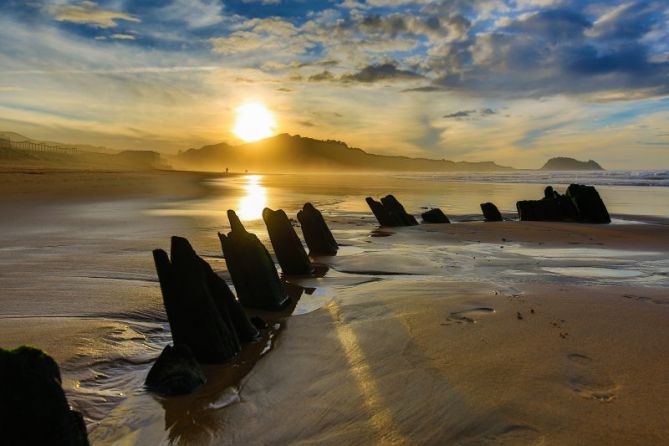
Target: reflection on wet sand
(380, 416)
(255, 199)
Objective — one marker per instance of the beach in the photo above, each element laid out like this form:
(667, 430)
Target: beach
(468, 333)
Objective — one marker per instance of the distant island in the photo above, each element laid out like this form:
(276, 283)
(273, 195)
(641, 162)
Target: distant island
(565, 163)
(294, 153)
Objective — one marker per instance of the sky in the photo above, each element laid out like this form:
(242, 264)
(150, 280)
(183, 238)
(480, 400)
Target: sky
(512, 81)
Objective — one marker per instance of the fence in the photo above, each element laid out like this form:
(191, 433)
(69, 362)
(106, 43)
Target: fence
(34, 146)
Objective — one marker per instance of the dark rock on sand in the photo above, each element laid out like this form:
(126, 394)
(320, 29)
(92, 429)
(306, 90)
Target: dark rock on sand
(195, 318)
(316, 233)
(434, 216)
(287, 245)
(251, 268)
(33, 406)
(390, 212)
(490, 212)
(175, 372)
(588, 203)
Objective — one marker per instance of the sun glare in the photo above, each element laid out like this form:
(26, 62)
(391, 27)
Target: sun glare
(254, 122)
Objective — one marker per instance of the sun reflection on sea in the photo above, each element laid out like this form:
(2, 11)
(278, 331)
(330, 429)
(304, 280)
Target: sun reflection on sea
(255, 199)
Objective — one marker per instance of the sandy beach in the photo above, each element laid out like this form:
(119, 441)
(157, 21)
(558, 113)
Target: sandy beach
(468, 334)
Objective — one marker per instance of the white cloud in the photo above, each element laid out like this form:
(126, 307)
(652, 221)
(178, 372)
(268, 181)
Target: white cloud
(123, 36)
(89, 13)
(195, 13)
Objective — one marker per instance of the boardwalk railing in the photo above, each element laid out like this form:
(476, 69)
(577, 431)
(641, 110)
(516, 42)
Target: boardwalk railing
(34, 146)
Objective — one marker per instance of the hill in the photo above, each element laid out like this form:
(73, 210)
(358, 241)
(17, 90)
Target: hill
(564, 163)
(287, 153)
(15, 153)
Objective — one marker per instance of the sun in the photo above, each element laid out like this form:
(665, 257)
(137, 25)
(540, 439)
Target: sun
(254, 121)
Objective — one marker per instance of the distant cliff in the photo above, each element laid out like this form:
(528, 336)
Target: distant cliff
(564, 163)
(287, 153)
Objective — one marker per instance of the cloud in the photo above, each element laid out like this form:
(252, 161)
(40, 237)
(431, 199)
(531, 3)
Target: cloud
(383, 72)
(89, 13)
(473, 114)
(553, 52)
(322, 76)
(123, 36)
(460, 114)
(195, 13)
(272, 37)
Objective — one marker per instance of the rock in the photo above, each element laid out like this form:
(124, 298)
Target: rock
(287, 245)
(175, 372)
(252, 269)
(434, 216)
(316, 233)
(33, 406)
(390, 212)
(588, 203)
(195, 318)
(490, 212)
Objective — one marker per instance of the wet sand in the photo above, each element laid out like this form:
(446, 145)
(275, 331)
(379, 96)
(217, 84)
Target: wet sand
(470, 333)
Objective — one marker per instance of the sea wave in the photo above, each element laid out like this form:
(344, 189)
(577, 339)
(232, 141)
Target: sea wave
(638, 178)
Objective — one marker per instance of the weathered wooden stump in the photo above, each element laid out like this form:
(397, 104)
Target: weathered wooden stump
(287, 245)
(395, 207)
(227, 304)
(580, 203)
(316, 233)
(490, 212)
(251, 268)
(381, 213)
(390, 212)
(539, 210)
(588, 203)
(195, 319)
(434, 215)
(33, 406)
(175, 372)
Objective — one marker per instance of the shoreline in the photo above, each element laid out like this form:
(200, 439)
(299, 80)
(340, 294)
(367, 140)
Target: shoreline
(469, 333)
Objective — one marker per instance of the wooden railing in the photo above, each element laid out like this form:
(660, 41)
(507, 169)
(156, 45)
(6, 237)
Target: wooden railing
(34, 146)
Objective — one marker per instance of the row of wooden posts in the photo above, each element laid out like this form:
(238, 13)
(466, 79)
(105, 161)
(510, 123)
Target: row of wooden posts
(209, 325)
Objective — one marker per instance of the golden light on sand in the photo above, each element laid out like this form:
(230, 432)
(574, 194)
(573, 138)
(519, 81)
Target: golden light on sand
(251, 205)
(254, 121)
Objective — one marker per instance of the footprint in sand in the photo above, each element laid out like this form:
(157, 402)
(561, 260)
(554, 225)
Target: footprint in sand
(469, 315)
(588, 380)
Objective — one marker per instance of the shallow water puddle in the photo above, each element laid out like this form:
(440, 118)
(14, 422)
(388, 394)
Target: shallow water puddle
(594, 272)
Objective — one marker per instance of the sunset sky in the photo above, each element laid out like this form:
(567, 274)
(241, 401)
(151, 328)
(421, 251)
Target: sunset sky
(513, 81)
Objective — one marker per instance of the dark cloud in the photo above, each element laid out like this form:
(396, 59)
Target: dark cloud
(557, 51)
(553, 24)
(382, 72)
(322, 76)
(460, 114)
(425, 89)
(471, 114)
